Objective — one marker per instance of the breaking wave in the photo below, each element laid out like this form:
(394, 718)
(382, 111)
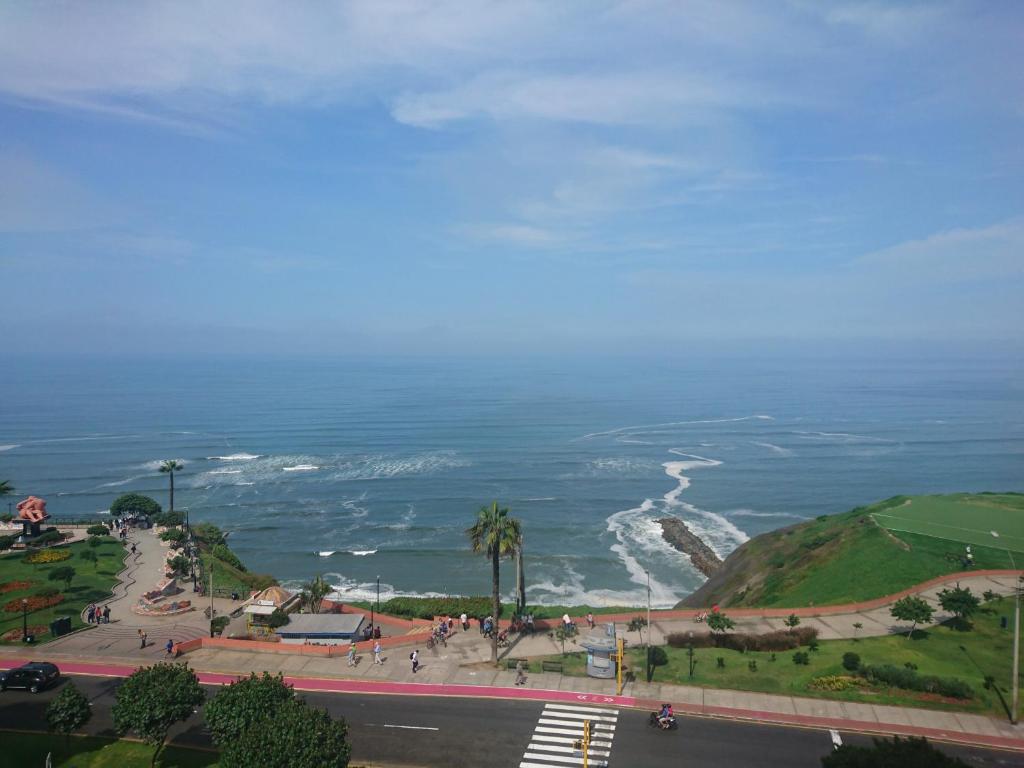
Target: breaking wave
(640, 428)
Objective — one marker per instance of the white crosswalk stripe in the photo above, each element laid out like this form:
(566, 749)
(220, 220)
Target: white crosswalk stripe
(551, 745)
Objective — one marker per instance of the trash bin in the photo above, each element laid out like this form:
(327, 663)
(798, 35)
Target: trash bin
(60, 626)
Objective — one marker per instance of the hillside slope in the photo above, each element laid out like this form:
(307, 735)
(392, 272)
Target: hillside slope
(839, 558)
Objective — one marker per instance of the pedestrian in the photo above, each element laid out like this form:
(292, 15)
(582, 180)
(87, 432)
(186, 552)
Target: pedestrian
(142, 639)
(414, 657)
(590, 619)
(352, 654)
(376, 653)
(465, 621)
(520, 675)
(481, 620)
(91, 614)
(106, 614)
(169, 647)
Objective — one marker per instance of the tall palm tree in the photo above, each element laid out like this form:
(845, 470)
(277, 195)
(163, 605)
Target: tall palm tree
(495, 534)
(169, 467)
(314, 592)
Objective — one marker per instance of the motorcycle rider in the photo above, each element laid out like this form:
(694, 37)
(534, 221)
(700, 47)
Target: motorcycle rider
(665, 715)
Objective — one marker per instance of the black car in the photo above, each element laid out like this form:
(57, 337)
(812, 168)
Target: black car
(33, 676)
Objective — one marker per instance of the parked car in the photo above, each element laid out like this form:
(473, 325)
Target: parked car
(34, 676)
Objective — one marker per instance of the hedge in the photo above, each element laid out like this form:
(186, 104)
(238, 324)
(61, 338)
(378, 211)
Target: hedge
(429, 607)
(741, 641)
(908, 679)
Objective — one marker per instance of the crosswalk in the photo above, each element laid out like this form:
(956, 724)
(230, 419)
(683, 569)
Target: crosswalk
(551, 745)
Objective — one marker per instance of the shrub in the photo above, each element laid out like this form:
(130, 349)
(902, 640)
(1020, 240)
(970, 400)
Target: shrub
(168, 519)
(720, 662)
(910, 680)
(48, 537)
(225, 555)
(658, 656)
(429, 607)
(179, 564)
(813, 644)
(851, 661)
(835, 683)
(988, 595)
(801, 657)
(97, 530)
(6, 542)
(95, 541)
(208, 534)
(752, 665)
(782, 640)
(218, 625)
(47, 556)
(277, 619)
(174, 535)
(910, 665)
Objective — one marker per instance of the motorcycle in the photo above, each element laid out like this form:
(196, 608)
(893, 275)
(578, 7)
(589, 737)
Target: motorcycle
(665, 724)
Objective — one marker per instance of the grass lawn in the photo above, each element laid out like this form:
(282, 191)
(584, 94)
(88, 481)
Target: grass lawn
(92, 583)
(941, 650)
(851, 557)
(966, 518)
(30, 749)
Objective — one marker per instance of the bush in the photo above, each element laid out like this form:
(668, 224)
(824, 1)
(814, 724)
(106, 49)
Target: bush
(179, 564)
(218, 625)
(175, 536)
(910, 680)
(720, 662)
(6, 542)
(225, 555)
(168, 519)
(429, 607)
(658, 656)
(98, 530)
(47, 556)
(782, 640)
(835, 683)
(813, 645)
(752, 665)
(49, 537)
(801, 657)
(208, 534)
(277, 619)
(851, 661)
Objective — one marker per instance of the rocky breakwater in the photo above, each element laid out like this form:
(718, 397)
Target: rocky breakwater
(679, 536)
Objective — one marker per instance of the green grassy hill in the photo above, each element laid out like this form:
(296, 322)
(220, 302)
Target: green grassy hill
(866, 552)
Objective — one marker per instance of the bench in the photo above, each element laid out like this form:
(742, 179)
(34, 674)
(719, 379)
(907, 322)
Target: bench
(510, 664)
(551, 666)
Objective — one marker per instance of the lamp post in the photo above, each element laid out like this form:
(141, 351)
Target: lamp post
(1016, 637)
(649, 669)
(377, 604)
(24, 620)
(689, 652)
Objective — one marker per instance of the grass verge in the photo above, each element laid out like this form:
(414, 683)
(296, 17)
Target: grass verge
(27, 749)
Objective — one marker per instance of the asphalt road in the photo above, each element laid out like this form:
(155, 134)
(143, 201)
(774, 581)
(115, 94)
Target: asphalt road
(464, 733)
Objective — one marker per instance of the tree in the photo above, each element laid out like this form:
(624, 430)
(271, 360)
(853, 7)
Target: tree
(63, 573)
(637, 624)
(792, 621)
(68, 711)
(98, 530)
(208, 533)
(179, 564)
(495, 534)
(719, 623)
(314, 592)
(169, 467)
(89, 556)
(961, 602)
(6, 487)
(244, 703)
(899, 753)
(153, 699)
(297, 736)
(857, 627)
(912, 609)
(134, 503)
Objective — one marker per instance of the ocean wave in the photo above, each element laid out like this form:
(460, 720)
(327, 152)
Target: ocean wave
(776, 449)
(755, 513)
(542, 498)
(10, 447)
(380, 467)
(299, 468)
(326, 553)
(843, 437)
(236, 457)
(225, 471)
(640, 428)
(361, 552)
(117, 483)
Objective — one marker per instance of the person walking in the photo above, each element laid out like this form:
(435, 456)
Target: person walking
(465, 621)
(106, 614)
(352, 654)
(590, 619)
(169, 648)
(520, 675)
(142, 639)
(376, 653)
(414, 657)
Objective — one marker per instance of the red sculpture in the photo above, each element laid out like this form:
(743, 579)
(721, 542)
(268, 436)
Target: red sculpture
(32, 509)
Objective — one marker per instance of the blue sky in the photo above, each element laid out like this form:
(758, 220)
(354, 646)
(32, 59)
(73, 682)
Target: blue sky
(511, 177)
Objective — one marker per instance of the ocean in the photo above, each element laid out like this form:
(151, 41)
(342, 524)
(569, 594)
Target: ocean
(369, 468)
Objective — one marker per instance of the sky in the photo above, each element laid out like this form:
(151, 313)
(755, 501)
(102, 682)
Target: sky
(508, 177)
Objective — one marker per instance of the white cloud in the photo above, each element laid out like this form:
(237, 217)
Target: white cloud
(36, 197)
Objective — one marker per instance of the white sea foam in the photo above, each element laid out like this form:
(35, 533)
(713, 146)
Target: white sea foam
(10, 447)
(380, 467)
(244, 483)
(327, 552)
(777, 449)
(642, 427)
(155, 464)
(543, 498)
(300, 468)
(842, 437)
(236, 457)
(117, 483)
(225, 471)
(362, 552)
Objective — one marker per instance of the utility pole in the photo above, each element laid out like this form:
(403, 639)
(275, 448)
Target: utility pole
(648, 670)
(1016, 653)
(212, 613)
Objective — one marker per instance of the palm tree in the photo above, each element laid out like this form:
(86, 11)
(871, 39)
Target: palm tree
(495, 534)
(169, 467)
(520, 577)
(314, 592)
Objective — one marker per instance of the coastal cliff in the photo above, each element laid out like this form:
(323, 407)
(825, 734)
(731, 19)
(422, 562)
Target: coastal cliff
(679, 536)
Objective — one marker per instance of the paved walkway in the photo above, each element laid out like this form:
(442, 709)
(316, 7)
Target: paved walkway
(120, 638)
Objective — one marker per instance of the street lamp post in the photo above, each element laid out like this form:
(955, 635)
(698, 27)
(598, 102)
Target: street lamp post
(24, 620)
(649, 669)
(1016, 652)
(377, 603)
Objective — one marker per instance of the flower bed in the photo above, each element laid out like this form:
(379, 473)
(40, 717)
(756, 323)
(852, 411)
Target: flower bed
(12, 635)
(47, 556)
(35, 603)
(14, 586)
